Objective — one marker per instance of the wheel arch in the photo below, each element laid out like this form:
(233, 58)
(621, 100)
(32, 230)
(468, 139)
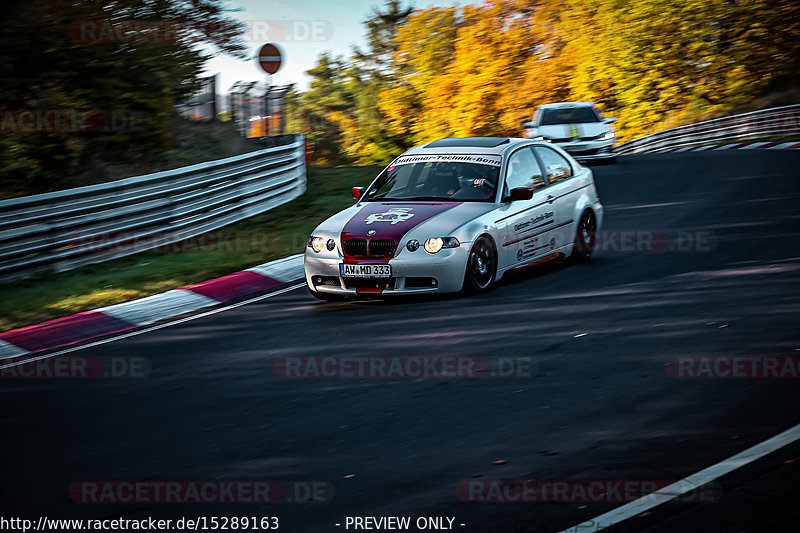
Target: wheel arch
(496, 267)
(575, 251)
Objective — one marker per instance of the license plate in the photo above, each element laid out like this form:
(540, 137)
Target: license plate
(365, 271)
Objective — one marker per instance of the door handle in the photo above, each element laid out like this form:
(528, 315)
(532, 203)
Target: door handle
(550, 199)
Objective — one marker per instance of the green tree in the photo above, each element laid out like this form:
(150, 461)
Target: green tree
(366, 136)
(48, 64)
(322, 108)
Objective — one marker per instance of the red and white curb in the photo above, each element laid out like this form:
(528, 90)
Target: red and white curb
(129, 315)
(760, 145)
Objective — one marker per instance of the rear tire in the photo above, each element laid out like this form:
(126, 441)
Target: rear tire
(481, 266)
(585, 237)
(325, 296)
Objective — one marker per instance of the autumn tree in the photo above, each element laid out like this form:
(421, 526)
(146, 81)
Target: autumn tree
(663, 62)
(45, 66)
(476, 70)
(482, 69)
(425, 50)
(367, 138)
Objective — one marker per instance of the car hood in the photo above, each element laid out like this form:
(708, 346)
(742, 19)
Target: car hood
(393, 220)
(567, 131)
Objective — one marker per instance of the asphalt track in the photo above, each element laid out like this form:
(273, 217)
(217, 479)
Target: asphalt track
(601, 406)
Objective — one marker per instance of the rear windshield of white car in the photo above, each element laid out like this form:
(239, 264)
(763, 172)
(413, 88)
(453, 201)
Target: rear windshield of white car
(438, 181)
(570, 115)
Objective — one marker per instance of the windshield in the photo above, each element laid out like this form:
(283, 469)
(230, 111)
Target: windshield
(438, 180)
(569, 115)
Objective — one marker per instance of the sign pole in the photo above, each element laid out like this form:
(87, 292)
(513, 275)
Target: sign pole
(267, 106)
(270, 58)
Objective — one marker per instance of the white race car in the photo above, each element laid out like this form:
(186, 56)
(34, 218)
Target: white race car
(580, 128)
(456, 214)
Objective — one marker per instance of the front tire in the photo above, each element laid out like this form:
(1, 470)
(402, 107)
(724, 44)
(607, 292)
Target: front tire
(585, 237)
(481, 266)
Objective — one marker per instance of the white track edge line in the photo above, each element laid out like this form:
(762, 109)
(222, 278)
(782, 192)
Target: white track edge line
(688, 484)
(153, 328)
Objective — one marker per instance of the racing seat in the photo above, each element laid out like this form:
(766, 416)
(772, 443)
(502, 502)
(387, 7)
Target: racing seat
(443, 180)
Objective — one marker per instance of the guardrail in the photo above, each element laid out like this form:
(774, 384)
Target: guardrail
(773, 122)
(67, 229)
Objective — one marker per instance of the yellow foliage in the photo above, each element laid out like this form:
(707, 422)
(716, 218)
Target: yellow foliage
(480, 70)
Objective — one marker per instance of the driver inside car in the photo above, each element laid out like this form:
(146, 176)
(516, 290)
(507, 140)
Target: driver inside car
(443, 180)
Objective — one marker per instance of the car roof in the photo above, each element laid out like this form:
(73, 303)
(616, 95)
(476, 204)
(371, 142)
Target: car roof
(467, 145)
(561, 105)
(472, 142)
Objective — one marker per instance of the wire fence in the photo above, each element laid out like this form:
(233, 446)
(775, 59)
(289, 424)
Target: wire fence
(257, 109)
(203, 104)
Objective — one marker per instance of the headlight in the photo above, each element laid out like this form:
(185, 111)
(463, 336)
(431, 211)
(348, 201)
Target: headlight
(316, 243)
(607, 136)
(434, 244)
(539, 138)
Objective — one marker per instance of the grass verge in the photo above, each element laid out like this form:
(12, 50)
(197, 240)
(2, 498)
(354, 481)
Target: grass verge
(277, 233)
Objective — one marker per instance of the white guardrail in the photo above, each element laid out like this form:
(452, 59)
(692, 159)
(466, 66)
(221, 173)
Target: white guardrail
(774, 122)
(66, 229)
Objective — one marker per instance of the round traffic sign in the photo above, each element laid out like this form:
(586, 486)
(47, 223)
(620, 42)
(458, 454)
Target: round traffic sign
(269, 58)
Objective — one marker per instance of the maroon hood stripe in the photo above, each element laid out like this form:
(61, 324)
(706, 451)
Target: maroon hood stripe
(392, 220)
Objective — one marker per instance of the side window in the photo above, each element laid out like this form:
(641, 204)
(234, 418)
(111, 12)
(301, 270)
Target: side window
(523, 171)
(556, 165)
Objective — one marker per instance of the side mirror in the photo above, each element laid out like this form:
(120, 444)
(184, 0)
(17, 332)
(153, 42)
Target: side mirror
(521, 193)
(609, 120)
(528, 125)
(358, 192)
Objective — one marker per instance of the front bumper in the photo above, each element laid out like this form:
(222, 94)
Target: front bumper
(412, 273)
(588, 150)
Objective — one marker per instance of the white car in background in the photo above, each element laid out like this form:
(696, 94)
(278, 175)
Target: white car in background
(580, 128)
